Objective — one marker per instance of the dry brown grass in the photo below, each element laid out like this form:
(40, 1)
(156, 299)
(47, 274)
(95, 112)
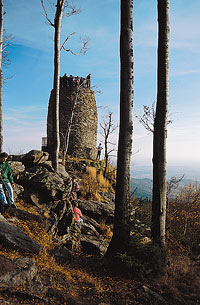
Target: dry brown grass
(47, 264)
(20, 204)
(105, 230)
(93, 183)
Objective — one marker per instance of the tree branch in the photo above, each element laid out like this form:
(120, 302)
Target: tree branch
(49, 21)
(63, 45)
(72, 8)
(83, 50)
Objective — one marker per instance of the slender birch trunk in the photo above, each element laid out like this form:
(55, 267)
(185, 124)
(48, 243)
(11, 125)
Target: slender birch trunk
(56, 82)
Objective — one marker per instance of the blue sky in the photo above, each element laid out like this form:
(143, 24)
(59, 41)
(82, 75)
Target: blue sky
(27, 91)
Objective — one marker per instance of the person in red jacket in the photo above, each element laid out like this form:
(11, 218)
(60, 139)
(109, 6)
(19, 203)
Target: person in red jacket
(78, 213)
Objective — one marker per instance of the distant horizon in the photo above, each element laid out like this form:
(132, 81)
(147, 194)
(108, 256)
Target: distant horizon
(189, 171)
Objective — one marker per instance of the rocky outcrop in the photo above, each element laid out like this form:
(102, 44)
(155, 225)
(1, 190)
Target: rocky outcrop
(16, 272)
(38, 184)
(47, 221)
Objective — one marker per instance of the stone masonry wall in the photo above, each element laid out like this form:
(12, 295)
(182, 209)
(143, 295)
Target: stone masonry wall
(83, 135)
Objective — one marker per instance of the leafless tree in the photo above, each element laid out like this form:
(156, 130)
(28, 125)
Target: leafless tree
(69, 11)
(75, 99)
(147, 117)
(173, 184)
(108, 127)
(4, 60)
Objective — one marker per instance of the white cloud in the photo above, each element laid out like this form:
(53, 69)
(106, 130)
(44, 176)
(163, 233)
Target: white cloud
(186, 72)
(20, 139)
(23, 129)
(185, 31)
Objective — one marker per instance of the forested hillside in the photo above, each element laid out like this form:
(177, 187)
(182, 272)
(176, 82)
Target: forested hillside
(142, 188)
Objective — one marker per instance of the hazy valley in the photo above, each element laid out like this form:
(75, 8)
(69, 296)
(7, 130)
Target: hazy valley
(141, 178)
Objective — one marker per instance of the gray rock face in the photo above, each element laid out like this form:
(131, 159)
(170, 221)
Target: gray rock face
(14, 237)
(17, 272)
(97, 210)
(44, 187)
(92, 244)
(17, 168)
(38, 184)
(21, 272)
(34, 157)
(61, 254)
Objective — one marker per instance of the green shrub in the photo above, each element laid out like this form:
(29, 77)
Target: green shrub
(143, 260)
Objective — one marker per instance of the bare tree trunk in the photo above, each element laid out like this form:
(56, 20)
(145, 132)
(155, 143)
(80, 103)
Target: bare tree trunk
(107, 130)
(1, 76)
(106, 151)
(56, 82)
(160, 127)
(121, 233)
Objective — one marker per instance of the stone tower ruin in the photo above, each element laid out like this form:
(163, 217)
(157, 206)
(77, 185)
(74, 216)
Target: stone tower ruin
(78, 112)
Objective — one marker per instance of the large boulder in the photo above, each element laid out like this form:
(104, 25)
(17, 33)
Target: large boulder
(92, 244)
(61, 254)
(20, 273)
(46, 221)
(13, 237)
(17, 158)
(45, 188)
(18, 192)
(34, 157)
(98, 210)
(17, 169)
